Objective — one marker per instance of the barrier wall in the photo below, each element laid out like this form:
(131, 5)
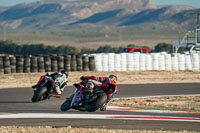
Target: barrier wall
(99, 62)
(152, 61)
(45, 63)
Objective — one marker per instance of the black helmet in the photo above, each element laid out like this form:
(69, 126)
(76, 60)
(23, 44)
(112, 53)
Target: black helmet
(113, 78)
(64, 72)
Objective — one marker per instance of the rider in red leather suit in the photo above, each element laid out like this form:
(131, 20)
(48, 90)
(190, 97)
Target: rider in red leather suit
(108, 83)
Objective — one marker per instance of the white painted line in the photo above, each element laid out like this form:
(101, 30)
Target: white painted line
(98, 116)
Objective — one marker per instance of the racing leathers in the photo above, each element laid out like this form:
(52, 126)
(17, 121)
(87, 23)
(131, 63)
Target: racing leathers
(60, 80)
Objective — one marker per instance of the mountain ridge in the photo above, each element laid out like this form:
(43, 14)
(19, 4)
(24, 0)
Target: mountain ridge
(45, 14)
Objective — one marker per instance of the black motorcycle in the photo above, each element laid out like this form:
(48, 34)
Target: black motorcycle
(43, 90)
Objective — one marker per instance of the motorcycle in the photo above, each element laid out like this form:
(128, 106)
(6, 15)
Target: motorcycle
(44, 89)
(85, 99)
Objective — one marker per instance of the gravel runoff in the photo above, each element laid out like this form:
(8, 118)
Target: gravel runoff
(69, 129)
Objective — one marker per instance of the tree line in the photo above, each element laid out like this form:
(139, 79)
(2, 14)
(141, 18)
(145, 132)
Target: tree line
(9, 47)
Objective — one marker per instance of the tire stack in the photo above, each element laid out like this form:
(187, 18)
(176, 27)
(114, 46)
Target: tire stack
(195, 61)
(130, 62)
(92, 63)
(136, 58)
(34, 64)
(1, 65)
(142, 62)
(117, 62)
(155, 61)
(181, 62)
(41, 64)
(98, 62)
(79, 62)
(161, 62)
(67, 63)
(27, 64)
(6, 64)
(188, 62)
(168, 62)
(148, 62)
(60, 63)
(111, 62)
(54, 63)
(73, 63)
(19, 64)
(47, 63)
(13, 64)
(175, 62)
(85, 59)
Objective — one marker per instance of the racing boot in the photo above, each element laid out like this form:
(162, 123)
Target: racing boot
(35, 86)
(104, 106)
(58, 92)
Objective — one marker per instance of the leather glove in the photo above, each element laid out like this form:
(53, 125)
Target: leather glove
(82, 78)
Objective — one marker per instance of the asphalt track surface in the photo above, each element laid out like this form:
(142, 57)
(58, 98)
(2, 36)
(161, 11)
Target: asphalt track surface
(18, 100)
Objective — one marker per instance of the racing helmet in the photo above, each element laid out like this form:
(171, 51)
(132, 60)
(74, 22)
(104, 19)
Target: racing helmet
(64, 72)
(113, 78)
(90, 85)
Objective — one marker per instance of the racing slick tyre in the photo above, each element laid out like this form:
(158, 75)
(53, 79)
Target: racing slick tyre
(101, 98)
(40, 94)
(66, 105)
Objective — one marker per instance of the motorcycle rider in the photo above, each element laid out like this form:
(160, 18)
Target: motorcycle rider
(107, 83)
(60, 79)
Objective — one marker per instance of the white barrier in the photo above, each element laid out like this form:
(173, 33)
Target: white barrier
(153, 61)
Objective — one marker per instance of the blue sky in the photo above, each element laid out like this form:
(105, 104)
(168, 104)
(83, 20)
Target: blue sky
(195, 3)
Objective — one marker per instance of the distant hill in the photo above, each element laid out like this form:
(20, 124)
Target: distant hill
(87, 15)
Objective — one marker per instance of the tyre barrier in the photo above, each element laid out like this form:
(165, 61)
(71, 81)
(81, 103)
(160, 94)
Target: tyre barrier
(60, 60)
(34, 64)
(45, 63)
(67, 63)
(13, 64)
(99, 62)
(6, 65)
(1, 65)
(142, 62)
(27, 64)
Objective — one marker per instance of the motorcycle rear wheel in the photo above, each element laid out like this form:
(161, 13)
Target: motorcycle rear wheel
(40, 94)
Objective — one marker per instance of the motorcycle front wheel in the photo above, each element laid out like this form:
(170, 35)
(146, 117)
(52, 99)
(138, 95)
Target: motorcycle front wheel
(101, 98)
(65, 106)
(40, 94)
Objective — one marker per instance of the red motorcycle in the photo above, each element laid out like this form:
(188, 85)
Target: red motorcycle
(85, 98)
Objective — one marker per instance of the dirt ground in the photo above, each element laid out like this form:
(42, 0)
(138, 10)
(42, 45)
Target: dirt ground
(129, 77)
